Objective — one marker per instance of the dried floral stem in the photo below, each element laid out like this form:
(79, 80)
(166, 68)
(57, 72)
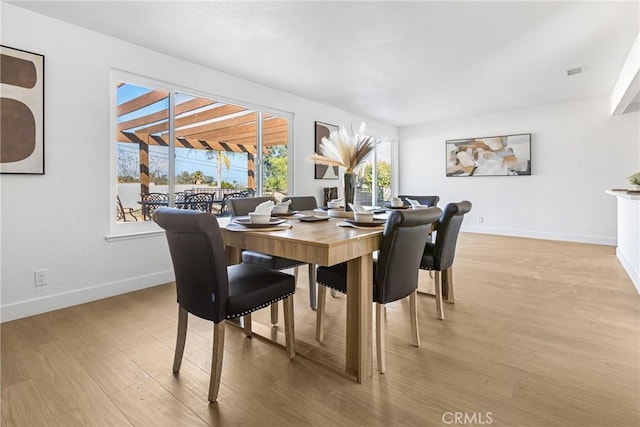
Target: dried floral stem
(344, 149)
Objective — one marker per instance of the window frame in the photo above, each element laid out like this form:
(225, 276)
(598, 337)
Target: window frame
(130, 230)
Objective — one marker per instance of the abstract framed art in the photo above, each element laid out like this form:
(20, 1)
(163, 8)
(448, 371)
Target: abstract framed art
(322, 171)
(21, 111)
(506, 155)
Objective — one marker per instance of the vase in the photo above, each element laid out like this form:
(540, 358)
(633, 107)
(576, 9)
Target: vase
(349, 190)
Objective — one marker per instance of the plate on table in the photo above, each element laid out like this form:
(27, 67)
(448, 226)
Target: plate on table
(286, 214)
(398, 207)
(313, 218)
(375, 223)
(247, 223)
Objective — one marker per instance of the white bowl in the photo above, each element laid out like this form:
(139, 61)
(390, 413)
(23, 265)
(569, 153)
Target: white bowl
(333, 205)
(259, 218)
(280, 209)
(396, 203)
(363, 216)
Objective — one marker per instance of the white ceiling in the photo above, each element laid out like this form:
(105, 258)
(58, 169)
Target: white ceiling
(399, 62)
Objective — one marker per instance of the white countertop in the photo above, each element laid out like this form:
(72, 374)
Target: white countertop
(623, 195)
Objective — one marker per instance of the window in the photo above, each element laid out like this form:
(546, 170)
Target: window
(171, 145)
(375, 177)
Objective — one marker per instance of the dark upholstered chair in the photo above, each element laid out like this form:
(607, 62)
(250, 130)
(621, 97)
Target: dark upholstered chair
(207, 288)
(301, 203)
(424, 200)
(395, 273)
(199, 202)
(438, 256)
(241, 207)
(306, 203)
(224, 205)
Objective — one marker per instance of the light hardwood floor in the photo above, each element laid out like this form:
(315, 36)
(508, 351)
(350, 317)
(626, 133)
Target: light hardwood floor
(542, 333)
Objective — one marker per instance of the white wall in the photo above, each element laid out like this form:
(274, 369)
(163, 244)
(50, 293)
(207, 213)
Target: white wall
(59, 221)
(578, 152)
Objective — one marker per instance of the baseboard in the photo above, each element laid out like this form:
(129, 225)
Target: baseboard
(634, 275)
(48, 303)
(578, 238)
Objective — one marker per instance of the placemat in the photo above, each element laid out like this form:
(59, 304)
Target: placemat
(232, 226)
(346, 224)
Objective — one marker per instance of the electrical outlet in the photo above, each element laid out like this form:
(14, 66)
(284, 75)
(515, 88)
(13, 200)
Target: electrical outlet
(41, 278)
(480, 220)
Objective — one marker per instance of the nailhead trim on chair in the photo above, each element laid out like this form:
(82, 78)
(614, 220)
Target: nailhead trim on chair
(262, 306)
(330, 287)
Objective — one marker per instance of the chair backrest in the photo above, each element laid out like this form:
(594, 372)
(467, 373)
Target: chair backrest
(180, 196)
(403, 241)
(240, 207)
(155, 197)
(447, 233)
(199, 202)
(224, 206)
(424, 200)
(120, 209)
(199, 261)
(301, 203)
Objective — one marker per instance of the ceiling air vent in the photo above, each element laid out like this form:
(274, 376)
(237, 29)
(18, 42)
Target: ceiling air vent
(577, 70)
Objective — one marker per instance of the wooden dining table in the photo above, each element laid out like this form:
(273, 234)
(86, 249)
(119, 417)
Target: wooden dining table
(325, 243)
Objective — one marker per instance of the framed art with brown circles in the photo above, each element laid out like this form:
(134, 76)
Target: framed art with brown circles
(21, 111)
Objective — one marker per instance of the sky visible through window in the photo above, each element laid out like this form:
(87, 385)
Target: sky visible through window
(189, 160)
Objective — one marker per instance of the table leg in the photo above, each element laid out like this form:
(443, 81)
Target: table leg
(233, 255)
(359, 317)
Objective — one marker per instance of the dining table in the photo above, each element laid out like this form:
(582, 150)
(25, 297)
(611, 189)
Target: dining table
(325, 243)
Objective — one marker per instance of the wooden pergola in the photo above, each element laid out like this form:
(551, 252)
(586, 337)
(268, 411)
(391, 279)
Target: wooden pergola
(201, 124)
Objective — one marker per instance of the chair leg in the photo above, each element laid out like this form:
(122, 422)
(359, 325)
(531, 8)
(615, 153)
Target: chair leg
(289, 330)
(413, 313)
(247, 325)
(216, 360)
(322, 297)
(183, 316)
(438, 287)
(296, 271)
(449, 285)
(274, 313)
(313, 287)
(381, 322)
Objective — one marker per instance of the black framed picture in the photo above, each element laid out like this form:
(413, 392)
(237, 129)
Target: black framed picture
(507, 155)
(323, 130)
(21, 111)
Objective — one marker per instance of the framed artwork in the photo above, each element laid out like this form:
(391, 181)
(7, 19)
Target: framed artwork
(21, 111)
(323, 171)
(506, 155)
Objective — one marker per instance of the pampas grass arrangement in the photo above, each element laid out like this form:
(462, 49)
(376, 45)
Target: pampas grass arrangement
(345, 149)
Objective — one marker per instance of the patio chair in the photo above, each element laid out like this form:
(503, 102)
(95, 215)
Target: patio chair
(199, 202)
(121, 212)
(157, 200)
(180, 197)
(207, 288)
